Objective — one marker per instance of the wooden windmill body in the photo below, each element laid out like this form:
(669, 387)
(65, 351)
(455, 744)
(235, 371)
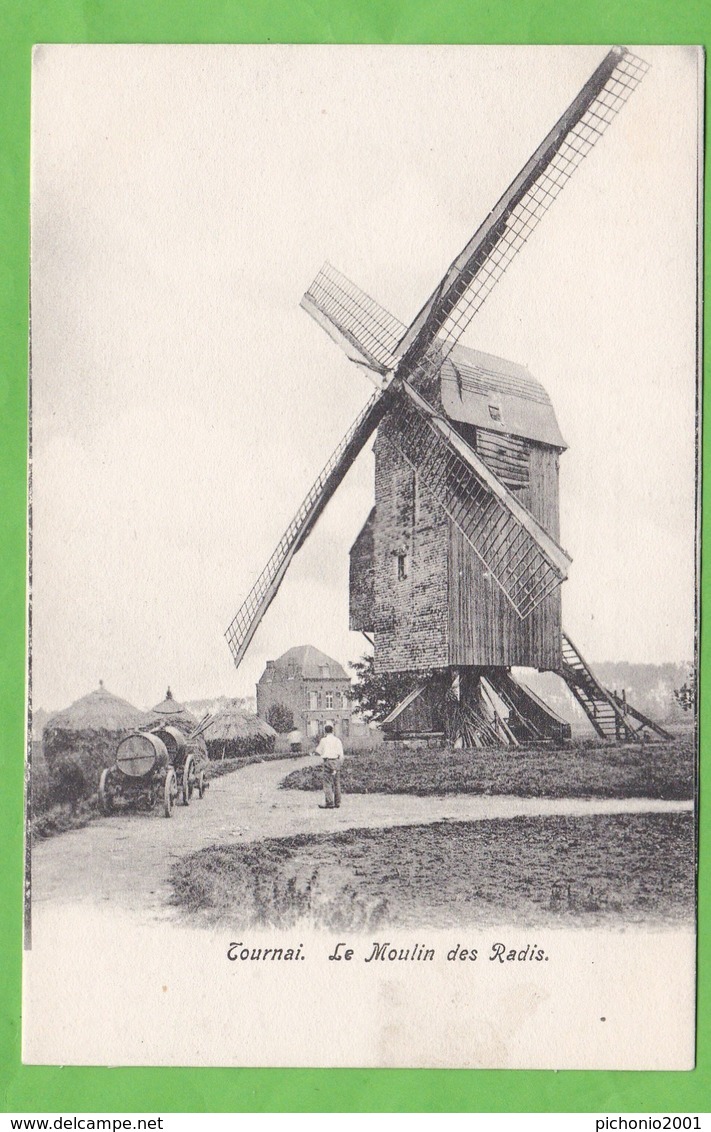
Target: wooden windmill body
(416, 585)
(458, 569)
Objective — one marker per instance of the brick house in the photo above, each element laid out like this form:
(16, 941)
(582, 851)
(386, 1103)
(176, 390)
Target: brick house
(312, 685)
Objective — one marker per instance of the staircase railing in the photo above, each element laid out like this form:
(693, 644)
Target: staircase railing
(609, 714)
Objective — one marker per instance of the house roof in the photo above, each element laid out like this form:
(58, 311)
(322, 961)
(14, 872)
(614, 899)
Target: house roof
(489, 392)
(309, 663)
(98, 711)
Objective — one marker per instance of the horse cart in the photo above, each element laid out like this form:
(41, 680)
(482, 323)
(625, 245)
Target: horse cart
(154, 768)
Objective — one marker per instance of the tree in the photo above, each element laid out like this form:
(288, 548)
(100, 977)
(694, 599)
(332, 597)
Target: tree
(686, 695)
(375, 694)
(281, 718)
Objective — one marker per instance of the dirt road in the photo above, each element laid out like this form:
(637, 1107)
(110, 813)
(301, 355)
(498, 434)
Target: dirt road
(124, 861)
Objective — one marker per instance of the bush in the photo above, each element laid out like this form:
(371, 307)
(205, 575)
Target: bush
(239, 748)
(76, 759)
(68, 782)
(61, 818)
(38, 779)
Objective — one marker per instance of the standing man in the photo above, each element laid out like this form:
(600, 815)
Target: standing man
(331, 751)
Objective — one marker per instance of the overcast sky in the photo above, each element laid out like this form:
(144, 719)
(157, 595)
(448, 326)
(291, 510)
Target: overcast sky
(182, 200)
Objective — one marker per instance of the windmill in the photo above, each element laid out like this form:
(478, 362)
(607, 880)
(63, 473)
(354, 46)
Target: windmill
(469, 586)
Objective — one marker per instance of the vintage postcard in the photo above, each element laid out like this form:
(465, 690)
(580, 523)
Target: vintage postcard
(364, 513)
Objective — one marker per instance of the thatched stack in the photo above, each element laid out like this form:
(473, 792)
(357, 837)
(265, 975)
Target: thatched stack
(234, 732)
(82, 739)
(170, 713)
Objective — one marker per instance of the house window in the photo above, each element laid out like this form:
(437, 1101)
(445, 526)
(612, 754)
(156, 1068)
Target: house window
(292, 670)
(401, 566)
(323, 669)
(345, 728)
(329, 699)
(313, 701)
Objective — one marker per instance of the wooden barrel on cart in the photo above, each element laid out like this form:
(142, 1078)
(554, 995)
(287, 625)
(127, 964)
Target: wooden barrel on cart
(140, 754)
(182, 759)
(175, 743)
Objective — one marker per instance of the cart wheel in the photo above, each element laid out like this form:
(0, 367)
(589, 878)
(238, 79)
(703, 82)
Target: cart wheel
(201, 784)
(188, 779)
(170, 792)
(106, 803)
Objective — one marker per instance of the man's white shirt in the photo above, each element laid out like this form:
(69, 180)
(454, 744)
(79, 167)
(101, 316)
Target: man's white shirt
(330, 748)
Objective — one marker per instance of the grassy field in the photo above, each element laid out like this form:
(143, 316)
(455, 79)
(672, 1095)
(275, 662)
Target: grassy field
(556, 871)
(589, 769)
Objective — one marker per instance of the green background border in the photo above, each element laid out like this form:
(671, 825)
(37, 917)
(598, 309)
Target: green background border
(37, 1089)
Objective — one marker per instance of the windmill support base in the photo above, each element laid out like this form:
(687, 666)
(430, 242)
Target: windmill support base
(488, 707)
(474, 707)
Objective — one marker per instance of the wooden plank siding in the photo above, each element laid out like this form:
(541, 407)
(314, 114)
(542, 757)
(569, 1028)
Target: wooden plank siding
(483, 627)
(507, 456)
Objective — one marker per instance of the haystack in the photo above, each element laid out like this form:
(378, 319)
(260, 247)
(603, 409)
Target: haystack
(82, 739)
(234, 732)
(170, 713)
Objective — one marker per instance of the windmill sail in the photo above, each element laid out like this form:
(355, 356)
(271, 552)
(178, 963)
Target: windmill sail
(522, 558)
(246, 621)
(358, 323)
(367, 332)
(478, 268)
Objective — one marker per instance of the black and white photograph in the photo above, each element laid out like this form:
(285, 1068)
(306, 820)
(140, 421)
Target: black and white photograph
(362, 647)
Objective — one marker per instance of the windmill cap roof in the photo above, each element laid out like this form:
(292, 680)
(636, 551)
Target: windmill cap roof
(309, 662)
(99, 710)
(492, 393)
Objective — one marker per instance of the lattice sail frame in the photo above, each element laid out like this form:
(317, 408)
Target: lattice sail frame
(244, 624)
(480, 265)
(350, 314)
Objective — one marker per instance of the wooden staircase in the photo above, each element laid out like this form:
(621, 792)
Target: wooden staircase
(611, 716)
